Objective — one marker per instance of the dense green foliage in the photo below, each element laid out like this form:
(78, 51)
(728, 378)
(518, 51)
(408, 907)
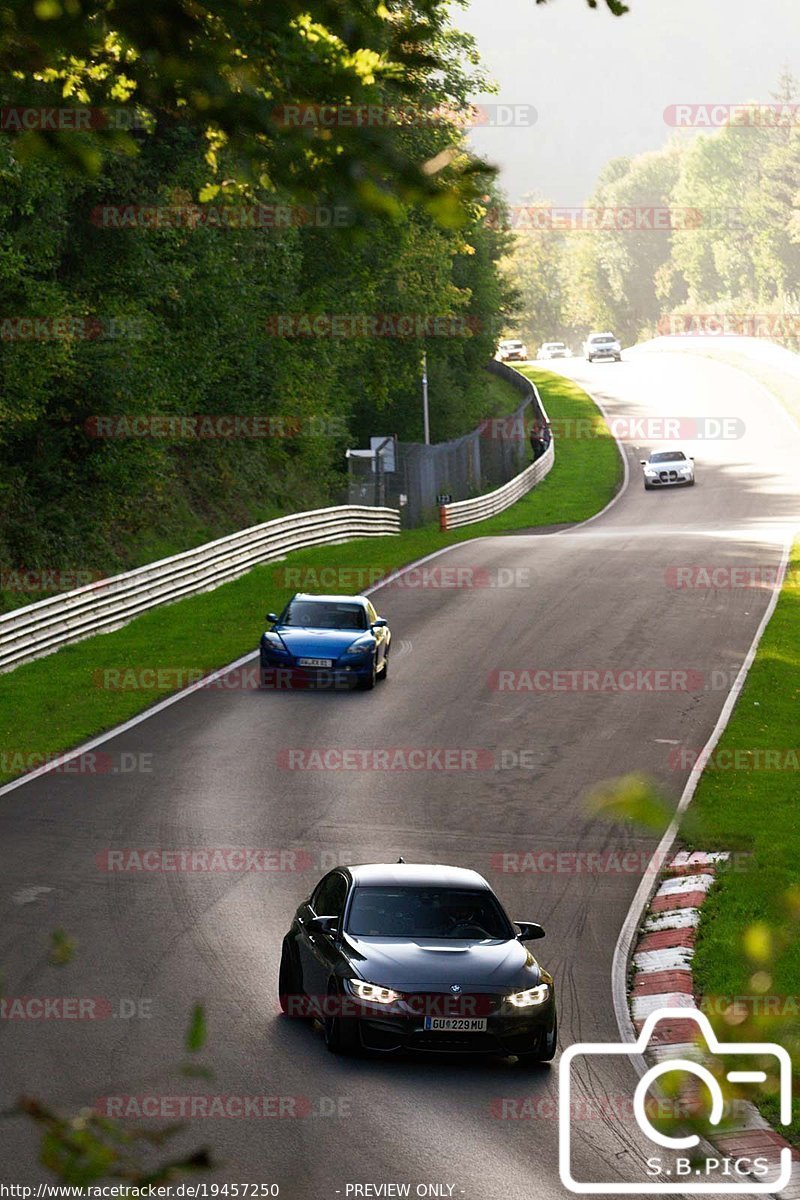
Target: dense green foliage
(175, 320)
(177, 105)
(729, 242)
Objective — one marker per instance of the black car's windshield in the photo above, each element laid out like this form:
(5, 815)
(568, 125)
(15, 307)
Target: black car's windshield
(318, 614)
(668, 456)
(426, 912)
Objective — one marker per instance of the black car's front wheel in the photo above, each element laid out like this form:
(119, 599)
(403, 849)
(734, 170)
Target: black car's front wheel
(340, 1032)
(289, 981)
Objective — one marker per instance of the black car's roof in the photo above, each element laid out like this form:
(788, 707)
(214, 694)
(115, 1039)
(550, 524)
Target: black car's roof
(416, 875)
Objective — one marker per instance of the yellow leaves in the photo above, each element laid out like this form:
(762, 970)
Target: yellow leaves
(631, 798)
(47, 10)
(365, 64)
(758, 942)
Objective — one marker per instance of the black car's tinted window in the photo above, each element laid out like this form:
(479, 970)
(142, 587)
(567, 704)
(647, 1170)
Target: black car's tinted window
(316, 614)
(669, 456)
(328, 900)
(435, 912)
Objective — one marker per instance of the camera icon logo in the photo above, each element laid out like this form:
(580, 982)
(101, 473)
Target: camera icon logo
(741, 1063)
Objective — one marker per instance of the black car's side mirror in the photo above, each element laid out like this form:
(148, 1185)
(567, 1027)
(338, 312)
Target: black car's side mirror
(379, 623)
(322, 925)
(529, 931)
(271, 617)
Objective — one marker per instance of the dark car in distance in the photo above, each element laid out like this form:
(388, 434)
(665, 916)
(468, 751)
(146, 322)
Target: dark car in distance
(409, 956)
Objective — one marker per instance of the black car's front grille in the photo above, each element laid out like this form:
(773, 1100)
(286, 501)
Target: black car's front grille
(446, 1004)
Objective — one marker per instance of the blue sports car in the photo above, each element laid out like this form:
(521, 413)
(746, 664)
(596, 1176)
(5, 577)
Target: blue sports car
(327, 641)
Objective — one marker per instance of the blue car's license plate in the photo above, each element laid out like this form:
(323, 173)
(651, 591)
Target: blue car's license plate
(315, 662)
(456, 1024)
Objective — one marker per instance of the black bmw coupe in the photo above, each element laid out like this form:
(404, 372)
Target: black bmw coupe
(417, 957)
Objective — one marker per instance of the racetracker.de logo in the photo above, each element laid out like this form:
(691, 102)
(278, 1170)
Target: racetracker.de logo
(160, 860)
(225, 1106)
(422, 578)
(90, 762)
(707, 576)
(627, 680)
(737, 116)
(737, 758)
(371, 325)
(210, 426)
(22, 118)
(634, 431)
(36, 579)
(73, 1008)
(50, 329)
(311, 117)
(775, 327)
(220, 216)
(386, 758)
(575, 862)
(542, 218)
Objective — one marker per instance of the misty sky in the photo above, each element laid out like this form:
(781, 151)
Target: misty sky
(600, 84)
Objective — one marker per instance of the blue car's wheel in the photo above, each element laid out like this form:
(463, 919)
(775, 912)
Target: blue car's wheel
(367, 682)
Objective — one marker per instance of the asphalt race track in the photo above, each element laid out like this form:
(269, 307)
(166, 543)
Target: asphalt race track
(595, 598)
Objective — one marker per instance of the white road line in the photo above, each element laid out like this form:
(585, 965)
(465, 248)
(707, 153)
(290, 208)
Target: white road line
(622, 951)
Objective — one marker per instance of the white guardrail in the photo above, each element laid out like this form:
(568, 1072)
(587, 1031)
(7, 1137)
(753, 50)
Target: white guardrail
(40, 628)
(467, 512)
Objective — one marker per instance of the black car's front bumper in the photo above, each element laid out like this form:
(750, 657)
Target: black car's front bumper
(508, 1030)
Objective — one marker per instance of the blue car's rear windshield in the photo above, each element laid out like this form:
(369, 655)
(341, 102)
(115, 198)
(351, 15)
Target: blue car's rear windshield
(427, 912)
(320, 614)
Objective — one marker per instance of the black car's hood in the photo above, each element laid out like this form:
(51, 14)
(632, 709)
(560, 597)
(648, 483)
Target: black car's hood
(435, 965)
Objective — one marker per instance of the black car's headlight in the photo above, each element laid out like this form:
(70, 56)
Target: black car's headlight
(530, 997)
(373, 992)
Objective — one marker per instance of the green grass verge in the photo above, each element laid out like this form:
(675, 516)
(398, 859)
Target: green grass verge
(749, 937)
(57, 702)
